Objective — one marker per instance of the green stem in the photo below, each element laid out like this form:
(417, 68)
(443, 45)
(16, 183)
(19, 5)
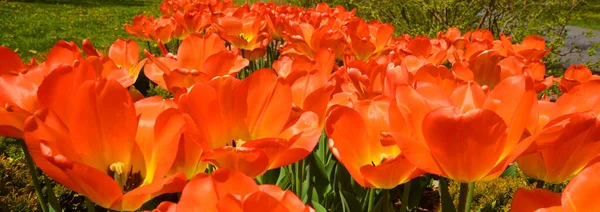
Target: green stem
(149, 48)
(371, 199)
(91, 207)
(51, 196)
(466, 196)
(386, 200)
(34, 177)
(470, 196)
(297, 182)
(405, 196)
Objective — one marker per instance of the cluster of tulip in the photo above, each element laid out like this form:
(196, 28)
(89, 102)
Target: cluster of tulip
(254, 88)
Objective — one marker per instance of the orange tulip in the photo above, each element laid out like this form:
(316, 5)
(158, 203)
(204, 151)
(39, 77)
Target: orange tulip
(229, 190)
(18, 92)
(370, 40)
(309, 81)
(359, 80)
(569, 138)
(355, 141)
(244, 125)
(193, 20)
(575, 75)
(306, 39)
(104, 149)
(189, 152)
(244, 30)
(579, 195)
(140, 27)
(122, 63)
(199, 58)
(468, 135)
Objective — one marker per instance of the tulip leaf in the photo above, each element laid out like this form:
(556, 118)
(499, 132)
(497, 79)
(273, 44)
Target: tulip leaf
(284, 180)
(320, 174)
(447, 204)
(307, 187)
(271, 176)
(318, 207)
(417, 187)
(510, 171)
(383, 201)
(349, 202)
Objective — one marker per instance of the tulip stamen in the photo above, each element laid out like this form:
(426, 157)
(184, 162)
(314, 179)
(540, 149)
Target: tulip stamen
(116, 171)
(382, 157)
(239, 142)
(127, 181)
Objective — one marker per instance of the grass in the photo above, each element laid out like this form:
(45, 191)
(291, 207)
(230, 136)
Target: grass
(32, 27)
(588, 16)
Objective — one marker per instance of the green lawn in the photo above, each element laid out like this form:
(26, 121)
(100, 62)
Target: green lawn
(32, 27)
(588, 15)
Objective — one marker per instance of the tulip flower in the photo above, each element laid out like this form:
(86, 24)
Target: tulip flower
(370, 40)
(468, 135)
(579, 195)
(229, 190)
(15, 107)
(244, 30)
(306, 39)
(122, 63)
(309, 81)
(199, 58)
(354, 139)
(245, 125)
(569, 138)
(105, 149)
(575, 75)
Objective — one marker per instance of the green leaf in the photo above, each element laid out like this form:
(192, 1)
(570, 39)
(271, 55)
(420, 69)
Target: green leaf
(307, 187)
(350, 202)
(284, 179)
(447, 204)
(320, 173)
(417, 187)
(271, 176)
(511, 171)
(318, 207)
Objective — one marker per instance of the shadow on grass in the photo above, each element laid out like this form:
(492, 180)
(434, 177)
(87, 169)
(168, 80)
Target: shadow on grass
(93, 3)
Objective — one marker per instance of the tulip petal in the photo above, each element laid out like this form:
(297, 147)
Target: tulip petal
(535, 200)
(579, 193)
(381, 177)
(466, 146)
(250, 161)
(135, 198)
(264, 103)
(103, 123)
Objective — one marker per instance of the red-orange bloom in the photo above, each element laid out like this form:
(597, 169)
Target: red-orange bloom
(579, 195)
(229, 190)
(575, 75)
(244, 125)
(355, 141)
(194, 20)
(122, 63)
(104, 149)
(465, 136)
(18, 92)
(370, 40)
(199, 58)
(309, 80)
(244, 30)
(305, 39)
(570, 136)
